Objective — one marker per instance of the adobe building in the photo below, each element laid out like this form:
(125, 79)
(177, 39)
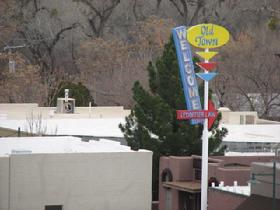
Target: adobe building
(179, 181)
(258, 195)
(265, 187)
(227, 197)
(65, 173)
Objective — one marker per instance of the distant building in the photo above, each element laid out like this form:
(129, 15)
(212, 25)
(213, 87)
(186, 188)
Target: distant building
(86, 122)
(65, 173)
(249, 135)
(227, 197)
(179, 181)
(258, 195)
(263, 179)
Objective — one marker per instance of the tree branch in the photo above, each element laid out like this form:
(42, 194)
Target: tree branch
(177, 7)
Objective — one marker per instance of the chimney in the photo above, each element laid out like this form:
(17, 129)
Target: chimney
(66, 94)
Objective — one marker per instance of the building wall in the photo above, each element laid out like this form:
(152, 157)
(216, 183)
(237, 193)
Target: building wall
(246, 160)
(231, 174)
(230, 117)
(264, 184)
(21, 111)
(109, 181)
(228, 176)
(4, 183)
(219, 200)
(182, 170)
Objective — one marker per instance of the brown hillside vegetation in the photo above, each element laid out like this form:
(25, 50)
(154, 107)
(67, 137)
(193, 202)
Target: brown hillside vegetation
(106, 45)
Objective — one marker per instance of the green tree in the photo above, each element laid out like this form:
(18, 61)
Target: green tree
(78, 91)
(152, 123)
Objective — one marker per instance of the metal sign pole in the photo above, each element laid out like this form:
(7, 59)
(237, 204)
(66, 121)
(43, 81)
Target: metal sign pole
(204, 169)
(206, 36)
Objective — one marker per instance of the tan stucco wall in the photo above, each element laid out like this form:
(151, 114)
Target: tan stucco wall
(109, 181)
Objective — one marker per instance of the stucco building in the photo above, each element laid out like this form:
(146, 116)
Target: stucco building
(55, 173)
(261, 192)
(179, 181)
(86, 122)
(248, 134)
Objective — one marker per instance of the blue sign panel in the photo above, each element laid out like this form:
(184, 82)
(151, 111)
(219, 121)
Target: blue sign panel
(184, 56)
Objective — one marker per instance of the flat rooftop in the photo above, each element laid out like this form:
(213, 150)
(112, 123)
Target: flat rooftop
(249, 153)
(240, 190)
(10, 111)
(39, 145)
(252, 133)
(108, 127)
(86, 121)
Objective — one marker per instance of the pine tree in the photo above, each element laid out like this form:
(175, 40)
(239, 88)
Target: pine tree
(76, 90)
(152, 123)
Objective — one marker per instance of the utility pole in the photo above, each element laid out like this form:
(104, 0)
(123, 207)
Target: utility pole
(274, 185)
(12, 62)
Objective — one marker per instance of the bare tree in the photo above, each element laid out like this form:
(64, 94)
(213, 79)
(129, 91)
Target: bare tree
(24, 86)
(35, 124)
(110, 67)
(7, 26)
(249, 76)
(189, 10)
(97, 14)
(41, 30)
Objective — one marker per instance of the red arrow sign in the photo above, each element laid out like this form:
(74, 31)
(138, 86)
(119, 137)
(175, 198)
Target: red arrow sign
(211, 114)
(207, 66)
(211, 120)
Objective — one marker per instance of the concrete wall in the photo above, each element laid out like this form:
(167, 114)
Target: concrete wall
(219, 200)
(264, 184)
(4, 183)
(96, 181)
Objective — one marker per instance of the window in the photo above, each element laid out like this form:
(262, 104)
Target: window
(250, 119)
(197, 174)
(242, 120)
(166, 175)
(53, 207)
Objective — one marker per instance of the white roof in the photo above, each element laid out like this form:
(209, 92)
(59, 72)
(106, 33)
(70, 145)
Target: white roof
(106, 127)
(38, 145)
(249, 153)
(22, 111)
(241, 190)
(252, 133)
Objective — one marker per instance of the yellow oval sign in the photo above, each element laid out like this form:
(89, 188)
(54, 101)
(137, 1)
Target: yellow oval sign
(207, 36)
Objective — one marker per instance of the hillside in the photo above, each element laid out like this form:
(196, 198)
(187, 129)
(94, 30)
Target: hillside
(106, 46)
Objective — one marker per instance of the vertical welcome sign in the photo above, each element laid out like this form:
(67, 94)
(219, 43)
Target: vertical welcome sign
(188, 78)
